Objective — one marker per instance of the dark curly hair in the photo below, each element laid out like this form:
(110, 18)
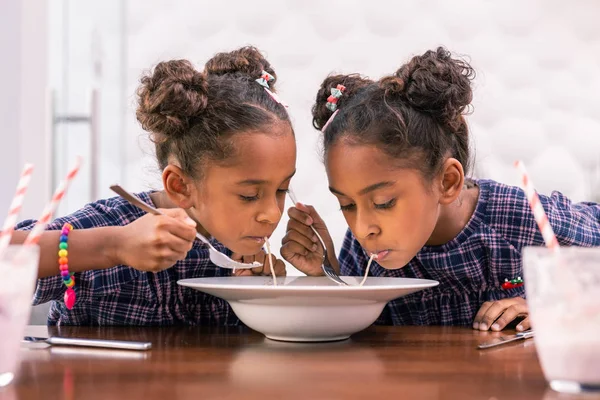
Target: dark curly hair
(192, 115)
(414, 115)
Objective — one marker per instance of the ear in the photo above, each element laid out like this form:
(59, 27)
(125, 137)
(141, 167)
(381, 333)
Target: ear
(178, 186)
(452, 180)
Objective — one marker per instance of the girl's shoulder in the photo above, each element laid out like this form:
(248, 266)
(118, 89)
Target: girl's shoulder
(500, 199)
(505, 211)
(105, 212)
(119, 206)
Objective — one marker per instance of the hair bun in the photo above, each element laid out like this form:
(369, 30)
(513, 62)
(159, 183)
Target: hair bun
(171, 97)
(245, 61)
(393, 85)
(434, 83)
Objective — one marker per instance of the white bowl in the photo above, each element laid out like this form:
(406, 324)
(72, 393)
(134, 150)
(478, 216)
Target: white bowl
(307, 309)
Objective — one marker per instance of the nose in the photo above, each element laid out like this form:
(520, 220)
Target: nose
(365, 227)
(271, 212)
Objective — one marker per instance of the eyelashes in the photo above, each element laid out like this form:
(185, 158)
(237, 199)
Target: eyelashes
(256, 197)
(384, 206)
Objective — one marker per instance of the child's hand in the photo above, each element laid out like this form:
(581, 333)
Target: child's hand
(156, 242)
(261, 257)
(497, 314)
(300, 245)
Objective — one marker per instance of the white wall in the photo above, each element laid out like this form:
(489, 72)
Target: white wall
(24, 133)
(537, 92)
(10, 18)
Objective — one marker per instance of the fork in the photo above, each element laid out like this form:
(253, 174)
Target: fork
(325, 264)
(215, 255)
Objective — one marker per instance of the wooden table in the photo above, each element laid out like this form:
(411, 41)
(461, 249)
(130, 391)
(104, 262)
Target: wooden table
(236, 363)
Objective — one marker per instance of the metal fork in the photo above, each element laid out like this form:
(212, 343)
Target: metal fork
(215, 255)
(325, 264)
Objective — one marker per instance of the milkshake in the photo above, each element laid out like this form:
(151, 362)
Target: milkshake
(18, 268)
(563, 294)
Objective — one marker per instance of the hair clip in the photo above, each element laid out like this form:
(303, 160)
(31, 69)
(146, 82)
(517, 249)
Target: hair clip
(329, 120)
(332, 100)
(264, 79)
(276, 97)
(512, 284)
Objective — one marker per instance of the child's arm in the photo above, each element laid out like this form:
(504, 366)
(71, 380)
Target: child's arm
(300, 245)
(94, 248)
(574, 224)
(150, 243)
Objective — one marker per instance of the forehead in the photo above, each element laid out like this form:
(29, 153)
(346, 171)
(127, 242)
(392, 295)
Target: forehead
(261, 154)
(352, 167)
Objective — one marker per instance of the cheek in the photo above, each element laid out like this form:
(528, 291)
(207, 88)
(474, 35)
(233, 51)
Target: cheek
(218, 214)
(226, 226)
(350, 220)
(416, 220)
(424, 220)
(281, 202)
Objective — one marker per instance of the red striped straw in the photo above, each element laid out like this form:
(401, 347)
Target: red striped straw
(536, 206)
(40, 226)
(15, 207)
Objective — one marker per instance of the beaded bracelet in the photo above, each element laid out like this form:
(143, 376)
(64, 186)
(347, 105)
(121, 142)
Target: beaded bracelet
(63, 262)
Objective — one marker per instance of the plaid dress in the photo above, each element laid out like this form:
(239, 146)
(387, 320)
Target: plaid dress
(122, 295)
(472, 267)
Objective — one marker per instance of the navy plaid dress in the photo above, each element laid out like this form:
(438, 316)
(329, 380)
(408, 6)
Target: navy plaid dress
(472, 267)
(125, 296)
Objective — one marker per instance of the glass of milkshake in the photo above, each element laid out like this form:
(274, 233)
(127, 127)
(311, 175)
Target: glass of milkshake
(563, 294)
(18, 272)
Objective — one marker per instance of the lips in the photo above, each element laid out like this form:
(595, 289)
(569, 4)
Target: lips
(257, 239)
(379, 254)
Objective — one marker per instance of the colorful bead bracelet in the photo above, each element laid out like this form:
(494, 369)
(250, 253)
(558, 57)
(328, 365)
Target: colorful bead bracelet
(63, 262)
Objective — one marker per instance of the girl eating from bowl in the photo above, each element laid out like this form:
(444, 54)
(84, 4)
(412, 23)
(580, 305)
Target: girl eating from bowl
(226, 149)
(396, 154)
